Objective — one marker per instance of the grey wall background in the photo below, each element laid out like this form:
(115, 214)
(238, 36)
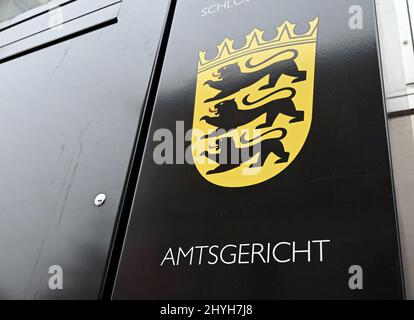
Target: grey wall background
(397, 51)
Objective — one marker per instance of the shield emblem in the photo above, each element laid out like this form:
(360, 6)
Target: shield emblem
(253, 107)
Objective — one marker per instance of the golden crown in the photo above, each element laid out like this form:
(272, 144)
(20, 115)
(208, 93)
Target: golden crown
(255, 42)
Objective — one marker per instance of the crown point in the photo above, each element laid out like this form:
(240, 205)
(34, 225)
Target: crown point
(225, 49)
(202, 58)
(314, 21)
(285, 31)
(313, 25)
(254, 38)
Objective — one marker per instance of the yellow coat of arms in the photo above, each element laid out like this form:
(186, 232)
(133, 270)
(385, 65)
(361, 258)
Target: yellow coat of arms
(253, 108)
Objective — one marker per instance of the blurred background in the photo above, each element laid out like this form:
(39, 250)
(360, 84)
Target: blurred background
(396, 23)
(10, 9)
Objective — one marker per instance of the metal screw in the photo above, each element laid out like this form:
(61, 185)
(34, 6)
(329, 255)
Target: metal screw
(100, 200)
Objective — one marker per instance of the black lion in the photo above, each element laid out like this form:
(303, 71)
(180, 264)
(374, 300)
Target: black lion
(232, 79)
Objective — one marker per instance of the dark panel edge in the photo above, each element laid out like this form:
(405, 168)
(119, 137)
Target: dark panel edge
(128, 192)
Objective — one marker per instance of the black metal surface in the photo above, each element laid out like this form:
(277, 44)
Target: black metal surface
(69, 117)
(338, 188)
(135, 165)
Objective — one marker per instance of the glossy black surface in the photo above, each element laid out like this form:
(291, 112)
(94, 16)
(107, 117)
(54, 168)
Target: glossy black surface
(339, 188)
(69, 117)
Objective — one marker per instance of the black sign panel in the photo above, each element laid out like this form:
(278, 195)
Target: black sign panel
(266, 173)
